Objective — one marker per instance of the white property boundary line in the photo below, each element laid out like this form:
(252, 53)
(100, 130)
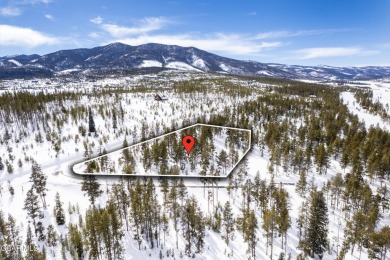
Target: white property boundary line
(158, 175)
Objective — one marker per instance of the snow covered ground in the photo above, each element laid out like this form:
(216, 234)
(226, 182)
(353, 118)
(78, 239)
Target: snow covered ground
(178, 111)
(381, 93)
(369, 119)
(171, 141)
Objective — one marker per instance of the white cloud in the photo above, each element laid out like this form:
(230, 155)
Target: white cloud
(252, 14)
(49, 17)
(26, 37)
(147, 24)
(10, 11)
(286, 34)
(36, 1)
(273, 34)
(312, 53)
(96, 20)
(236, 44)
(384, 46)
(94, 35)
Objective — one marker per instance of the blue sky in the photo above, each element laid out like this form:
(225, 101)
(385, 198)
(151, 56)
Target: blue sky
(305, 32)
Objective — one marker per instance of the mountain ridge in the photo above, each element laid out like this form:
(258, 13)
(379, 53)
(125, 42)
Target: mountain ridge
(118, 56)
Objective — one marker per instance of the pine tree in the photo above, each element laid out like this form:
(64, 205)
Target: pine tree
(200, 228)
(10, 188)
(20, 163)
(59, 213)
(91, 233)
(255, 191)
(103, 227)
(165, 224)
(222, 160)
(263, 196)
(269, 226)
(182, 191)
(44, 252)
(115, 227)
(91, 187)
(122, 112)
(31, 247)
(356, 229)
(317, 236)
(10, 168)
(302, 220)
(75, 242)
(283, 219)
(384, 195)
(7, 136)
(175, 209)
(127, 159)
(52, 238)
(336, 188)
(321, 158)
(1, 165)
(136, 210)
(12, 238)
(193, 226)
(57, 146)
(228, 220)
(164, 184)
(31, 205)
(114, 120)
(40, 231)
(379, 243)
(250, 232)
(28, 236)
(146, 158)
(302, 183)
(91, 122)
(38, 179)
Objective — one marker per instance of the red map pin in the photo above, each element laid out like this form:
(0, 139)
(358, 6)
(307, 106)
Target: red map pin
(188, 143)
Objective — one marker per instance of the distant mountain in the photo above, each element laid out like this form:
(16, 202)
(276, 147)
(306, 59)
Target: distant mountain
(117, 57)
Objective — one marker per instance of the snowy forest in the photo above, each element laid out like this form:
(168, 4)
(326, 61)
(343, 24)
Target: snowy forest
(167, 156)
(314, 184)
